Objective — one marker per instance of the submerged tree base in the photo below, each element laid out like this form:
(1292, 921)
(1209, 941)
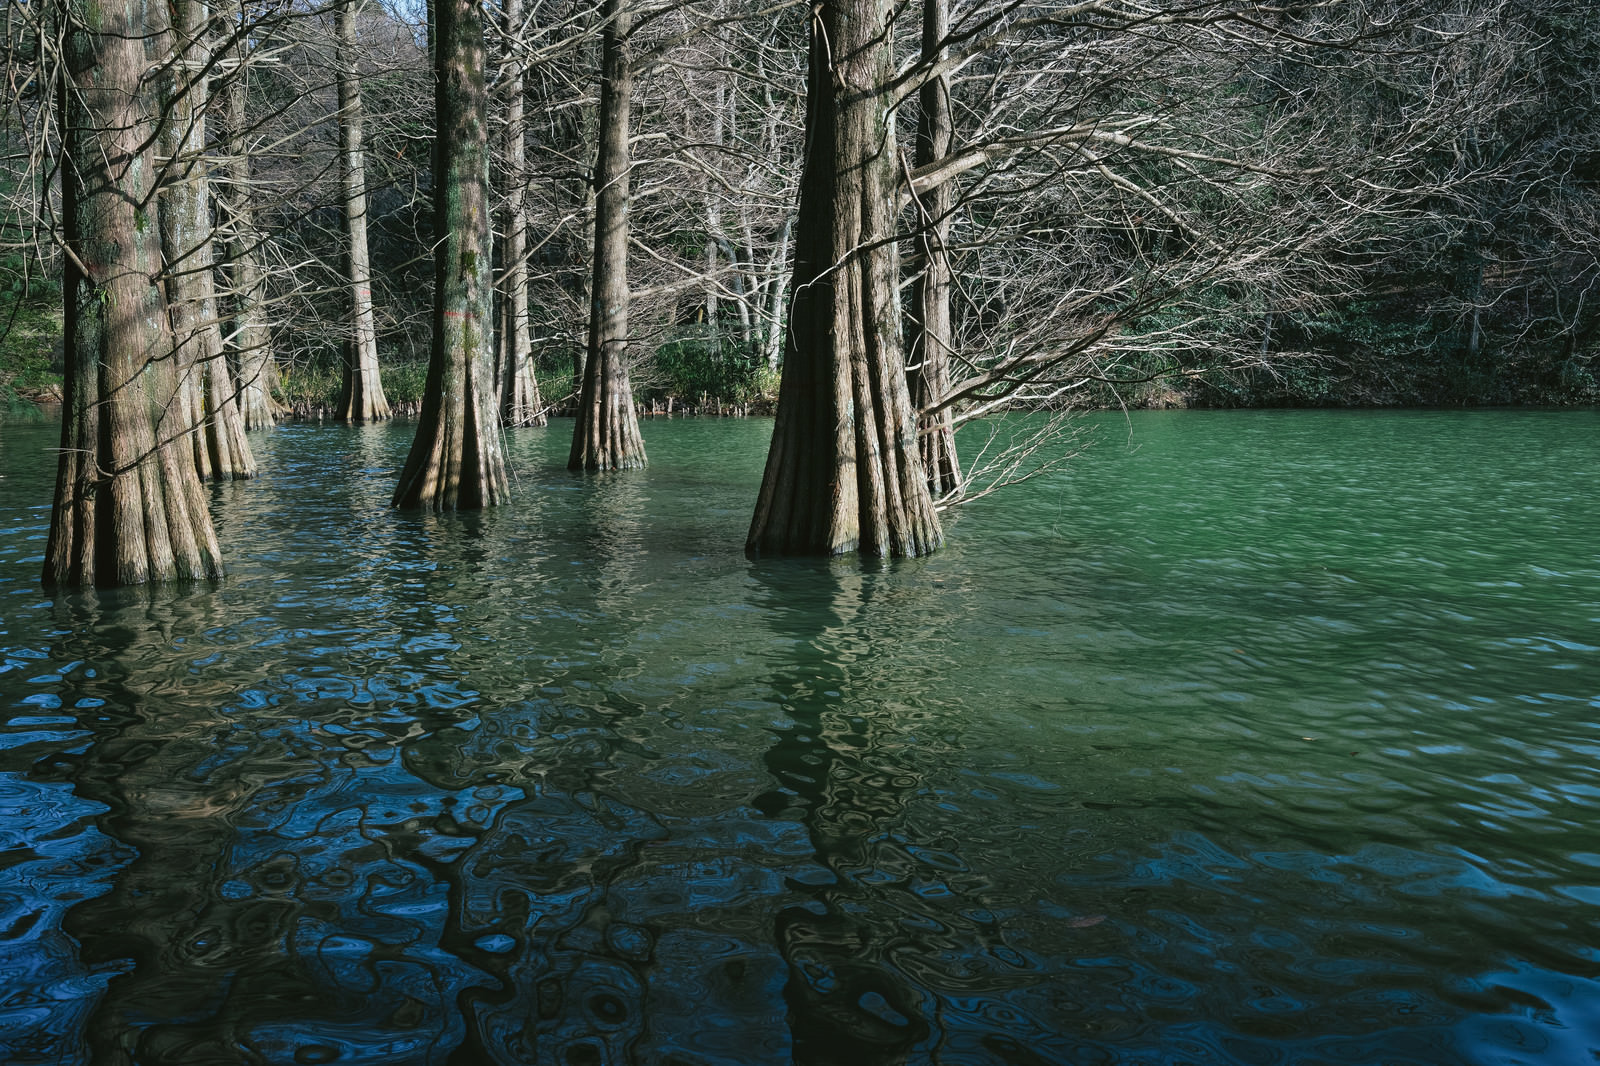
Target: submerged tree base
(845, 471)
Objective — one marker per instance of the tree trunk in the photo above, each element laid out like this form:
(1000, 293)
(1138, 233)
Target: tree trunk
(844, 473)
(361, 399)
(129, 506)
(456, 461)
(222, 450)
(252, 339)
(715, 160)
(606, 436)
(775, 293)
(520, 403)
(932, 336)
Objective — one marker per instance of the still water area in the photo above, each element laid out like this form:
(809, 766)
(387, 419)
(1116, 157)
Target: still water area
(1259, 738)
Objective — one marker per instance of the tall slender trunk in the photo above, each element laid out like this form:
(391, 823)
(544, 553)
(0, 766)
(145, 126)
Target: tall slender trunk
(776, 291)
(932, 336)
(844, 472)
(252, 339)
(455, 461)
(713, 195)
(222, 450)
(606, 436)
(361, 399)
(129, 506)
(777, 268)
(520, 403)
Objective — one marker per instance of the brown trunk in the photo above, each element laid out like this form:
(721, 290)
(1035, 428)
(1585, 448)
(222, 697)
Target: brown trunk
(606, 436)
(361, 399)
(222, 450)
(252, 340)
(932, 337)
(455, 461)
(520, 403)
(844, 473)
(128, 506)
(221, 447)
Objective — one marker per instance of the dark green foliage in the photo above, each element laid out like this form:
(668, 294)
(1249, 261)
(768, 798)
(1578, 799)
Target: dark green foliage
(30, 338)
(316, 382)
(311, 385)
(403, 382)
(701, 367)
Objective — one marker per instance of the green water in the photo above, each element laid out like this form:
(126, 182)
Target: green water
(1244, 738)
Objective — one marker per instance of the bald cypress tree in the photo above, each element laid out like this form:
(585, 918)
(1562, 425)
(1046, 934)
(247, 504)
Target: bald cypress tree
(520, 403)
(931, 333)
(222, 451)
(844, 472)
(361, 398)
(456, 460)
(129, 506)
(606, 436)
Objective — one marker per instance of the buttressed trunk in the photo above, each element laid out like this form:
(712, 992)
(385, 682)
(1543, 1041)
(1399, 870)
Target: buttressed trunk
(361, 399)
(221, 449)
(844, 472)
(520, 403)
(606, 436)
(932, 336)
(455, 461)
(129, 506)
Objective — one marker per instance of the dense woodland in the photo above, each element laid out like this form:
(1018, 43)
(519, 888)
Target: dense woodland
(878, 218)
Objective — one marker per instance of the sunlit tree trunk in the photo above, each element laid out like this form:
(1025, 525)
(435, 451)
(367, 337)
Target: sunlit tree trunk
(129, 506)
(456, 461)
(222, 450)
(932, 337)
(776, 291)
(714, 195)
(606, 436)
(252, 339)
(361, 399)
(844, 472)
(520, 403)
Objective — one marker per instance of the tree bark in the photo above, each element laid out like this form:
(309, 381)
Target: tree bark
(520, 403)
(456, 461)
(252, 339)
(844, 472)
(776, 291)
(221, 449)
(129, 506)
(606, 436)
(713, 194)
(361, 399)
(932, 336)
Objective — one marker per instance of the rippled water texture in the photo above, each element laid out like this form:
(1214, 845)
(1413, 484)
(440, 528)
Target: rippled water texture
(1246, 738)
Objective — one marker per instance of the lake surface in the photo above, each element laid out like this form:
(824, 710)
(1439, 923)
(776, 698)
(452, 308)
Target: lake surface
(1244, 738)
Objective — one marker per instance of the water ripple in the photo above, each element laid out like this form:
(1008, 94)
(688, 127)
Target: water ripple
(1271, 741)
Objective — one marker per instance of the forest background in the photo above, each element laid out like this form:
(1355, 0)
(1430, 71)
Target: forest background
(1457, 264)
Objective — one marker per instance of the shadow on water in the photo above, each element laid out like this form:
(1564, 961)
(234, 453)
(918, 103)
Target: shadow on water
(886, 935)
(836, 774)
(275, 907)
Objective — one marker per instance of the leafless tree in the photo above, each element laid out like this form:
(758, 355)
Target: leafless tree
(606, 435)
(520, 402)
(456, 461)
(128, 505)
(845, 472)
(207, 396)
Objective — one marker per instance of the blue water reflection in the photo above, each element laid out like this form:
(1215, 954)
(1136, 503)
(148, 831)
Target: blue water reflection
(1270, 741)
